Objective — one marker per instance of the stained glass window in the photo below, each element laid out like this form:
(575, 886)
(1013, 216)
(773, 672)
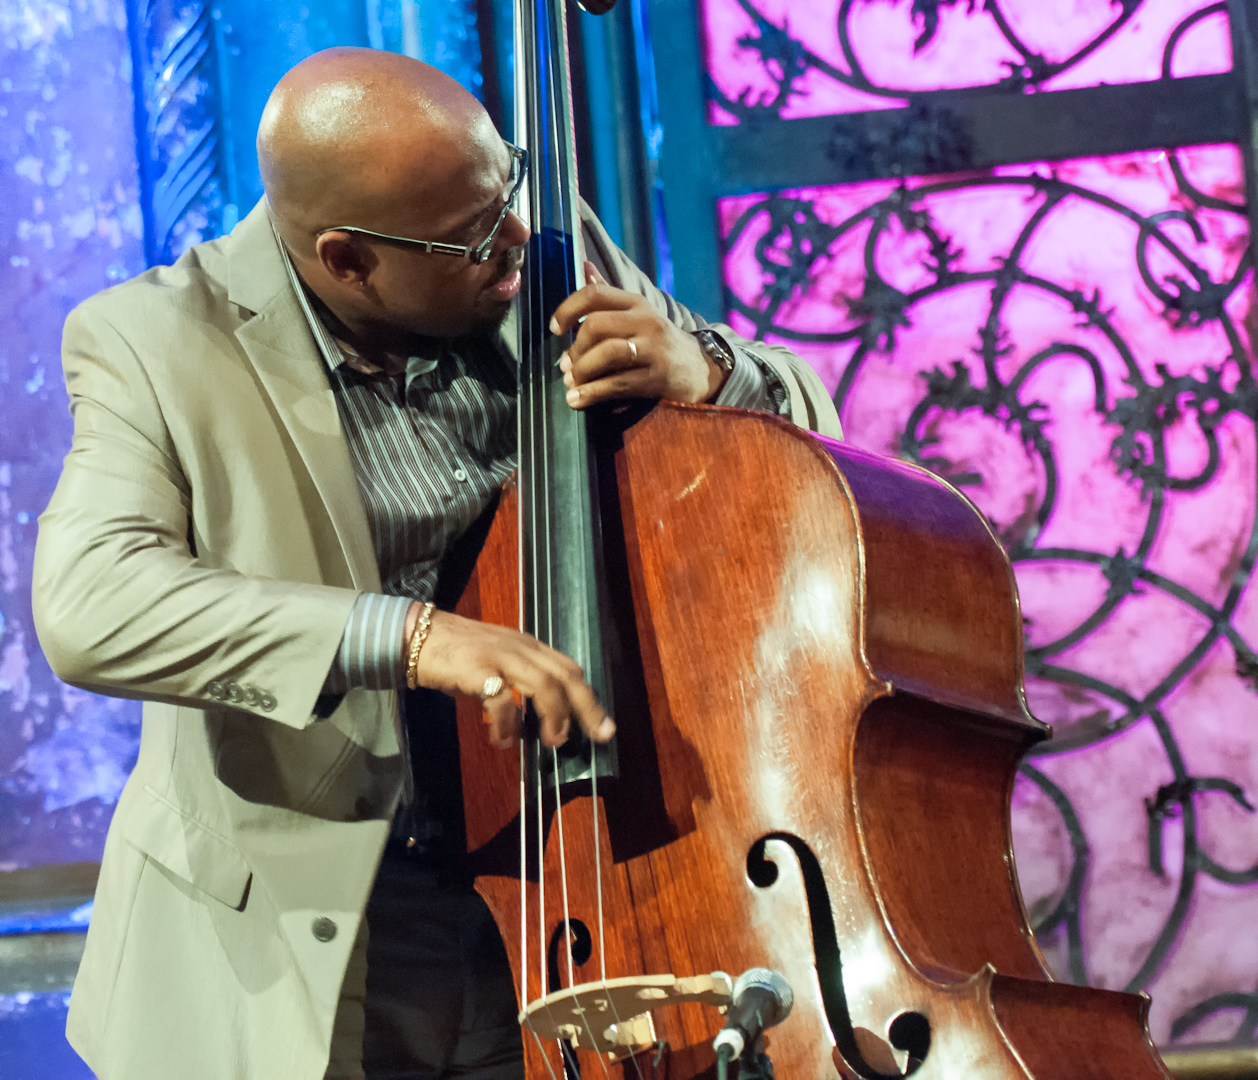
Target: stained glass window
(1070, 345)
(786, 59)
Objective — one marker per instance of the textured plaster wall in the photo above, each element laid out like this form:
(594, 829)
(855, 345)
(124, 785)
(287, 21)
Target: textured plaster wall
(70, 224)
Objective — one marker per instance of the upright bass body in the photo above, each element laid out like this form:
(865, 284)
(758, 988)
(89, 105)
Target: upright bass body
(814, 768)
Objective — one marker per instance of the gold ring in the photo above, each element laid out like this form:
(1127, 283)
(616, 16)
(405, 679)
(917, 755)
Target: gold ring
(492, 688)
(633, 349)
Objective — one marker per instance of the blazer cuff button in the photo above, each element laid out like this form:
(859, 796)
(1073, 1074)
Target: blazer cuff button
(323, 928)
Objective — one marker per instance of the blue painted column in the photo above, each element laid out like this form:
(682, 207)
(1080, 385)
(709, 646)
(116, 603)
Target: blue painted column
(442, 33)
(625, 133)
(203, 72)
(177, 124)
(257, 43)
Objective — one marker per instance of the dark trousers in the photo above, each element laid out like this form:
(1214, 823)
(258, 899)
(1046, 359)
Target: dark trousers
(440, 998)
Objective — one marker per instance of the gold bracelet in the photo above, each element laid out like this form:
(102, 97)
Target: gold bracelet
(422, 626)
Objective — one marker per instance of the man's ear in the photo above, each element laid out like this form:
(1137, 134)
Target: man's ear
(346, 261)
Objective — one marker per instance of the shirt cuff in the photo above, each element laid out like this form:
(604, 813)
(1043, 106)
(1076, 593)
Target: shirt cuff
(752, 384)
(370, 655)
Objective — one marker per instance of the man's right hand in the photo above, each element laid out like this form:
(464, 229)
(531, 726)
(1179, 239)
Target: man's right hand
(460, 654)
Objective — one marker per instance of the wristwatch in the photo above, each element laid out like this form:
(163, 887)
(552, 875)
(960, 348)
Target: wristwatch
(716, 349)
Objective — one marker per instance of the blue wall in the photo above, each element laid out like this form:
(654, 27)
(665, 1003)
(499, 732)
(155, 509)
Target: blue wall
(71, 223)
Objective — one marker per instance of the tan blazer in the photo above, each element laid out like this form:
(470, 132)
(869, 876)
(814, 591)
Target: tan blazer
(202, 551)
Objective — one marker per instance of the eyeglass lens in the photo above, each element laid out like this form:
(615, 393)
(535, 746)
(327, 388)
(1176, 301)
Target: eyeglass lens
(515, 181)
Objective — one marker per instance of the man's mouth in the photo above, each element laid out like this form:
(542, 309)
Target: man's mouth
(506, 288)
(508, 284)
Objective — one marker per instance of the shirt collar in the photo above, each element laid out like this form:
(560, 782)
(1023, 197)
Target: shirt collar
(332, 354)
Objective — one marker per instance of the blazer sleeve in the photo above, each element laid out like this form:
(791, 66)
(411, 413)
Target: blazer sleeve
(809, 404)
(121, 604)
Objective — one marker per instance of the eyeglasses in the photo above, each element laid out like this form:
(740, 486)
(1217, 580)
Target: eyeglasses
(478, 253)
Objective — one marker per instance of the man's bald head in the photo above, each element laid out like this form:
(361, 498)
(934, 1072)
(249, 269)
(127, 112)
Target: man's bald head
(369, 138)
(354, 142)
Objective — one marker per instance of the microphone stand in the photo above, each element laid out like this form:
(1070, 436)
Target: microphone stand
(753, 1063)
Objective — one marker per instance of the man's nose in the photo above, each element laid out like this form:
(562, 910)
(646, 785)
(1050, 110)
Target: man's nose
(514, 232)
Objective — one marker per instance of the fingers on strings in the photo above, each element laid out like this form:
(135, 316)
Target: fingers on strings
(595, 297)
(558, 692)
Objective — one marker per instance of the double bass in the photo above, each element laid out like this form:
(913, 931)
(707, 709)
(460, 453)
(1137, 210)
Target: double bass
(814, 658)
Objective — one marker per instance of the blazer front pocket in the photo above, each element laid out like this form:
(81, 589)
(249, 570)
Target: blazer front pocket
(187, 848)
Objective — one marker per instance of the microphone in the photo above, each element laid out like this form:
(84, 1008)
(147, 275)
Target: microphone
(762, 998)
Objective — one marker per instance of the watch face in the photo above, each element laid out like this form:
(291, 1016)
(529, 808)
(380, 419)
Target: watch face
(715, 349)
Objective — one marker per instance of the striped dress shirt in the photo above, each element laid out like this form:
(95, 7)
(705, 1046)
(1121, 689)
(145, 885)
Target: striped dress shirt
(430, 449)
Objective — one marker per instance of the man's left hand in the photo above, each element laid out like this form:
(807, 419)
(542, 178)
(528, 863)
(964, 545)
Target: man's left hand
(663, 361)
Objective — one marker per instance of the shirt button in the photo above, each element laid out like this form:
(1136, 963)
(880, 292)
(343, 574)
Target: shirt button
(460, 476)
(323, 928)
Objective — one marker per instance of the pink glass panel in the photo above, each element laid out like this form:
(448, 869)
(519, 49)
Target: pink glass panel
(967, 48)
(1073, 506)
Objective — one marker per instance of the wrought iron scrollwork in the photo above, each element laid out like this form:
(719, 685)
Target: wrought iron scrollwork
(929, 135)
(1167, 803)
(1245, 1033)
(1066, 912)
(787, 60)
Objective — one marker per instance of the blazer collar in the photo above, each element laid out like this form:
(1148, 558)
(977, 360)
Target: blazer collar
(255, 267)
(278, 341)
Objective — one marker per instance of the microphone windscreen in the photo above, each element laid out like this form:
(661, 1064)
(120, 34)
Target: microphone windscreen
(770, 980)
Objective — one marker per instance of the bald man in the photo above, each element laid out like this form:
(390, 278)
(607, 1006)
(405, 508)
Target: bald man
(276, 441)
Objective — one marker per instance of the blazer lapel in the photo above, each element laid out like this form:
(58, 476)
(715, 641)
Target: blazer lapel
(279, 343)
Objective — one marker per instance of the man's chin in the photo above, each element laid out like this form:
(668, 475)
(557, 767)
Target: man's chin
(486, 319)
(490, 320)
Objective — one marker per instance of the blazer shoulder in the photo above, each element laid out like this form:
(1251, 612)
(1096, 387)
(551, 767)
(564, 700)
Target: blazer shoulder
(194, 288)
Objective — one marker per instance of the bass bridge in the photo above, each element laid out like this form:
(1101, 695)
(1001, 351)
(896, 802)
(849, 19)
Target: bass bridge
(613, 1017)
